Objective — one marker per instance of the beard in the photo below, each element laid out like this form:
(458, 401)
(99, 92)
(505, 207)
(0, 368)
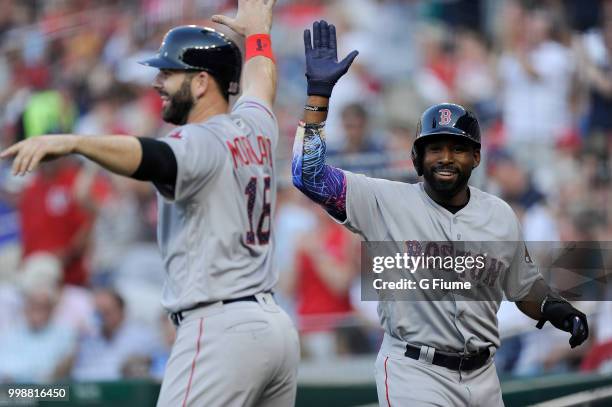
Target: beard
(179, 105)
(446, 188)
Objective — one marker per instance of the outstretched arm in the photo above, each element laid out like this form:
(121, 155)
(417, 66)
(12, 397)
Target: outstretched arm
(140, 158)
(119, 154)
(254, 21)
(322, 183)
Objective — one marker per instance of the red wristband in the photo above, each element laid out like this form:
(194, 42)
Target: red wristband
(259, 45)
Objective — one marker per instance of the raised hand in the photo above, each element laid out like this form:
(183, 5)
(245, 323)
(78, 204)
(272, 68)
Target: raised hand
(253, 17)
(322, 67)
(29, 153)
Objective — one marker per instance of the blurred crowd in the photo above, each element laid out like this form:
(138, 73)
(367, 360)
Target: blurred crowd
(80, 275)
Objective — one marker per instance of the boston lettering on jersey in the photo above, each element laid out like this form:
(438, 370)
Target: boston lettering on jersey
(488, 275)
(243, 152)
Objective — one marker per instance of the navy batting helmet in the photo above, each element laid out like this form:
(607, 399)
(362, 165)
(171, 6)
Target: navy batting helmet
(193, 48)
(442, 120)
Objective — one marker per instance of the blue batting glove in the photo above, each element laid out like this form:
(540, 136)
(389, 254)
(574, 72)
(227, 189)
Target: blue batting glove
(322, 67)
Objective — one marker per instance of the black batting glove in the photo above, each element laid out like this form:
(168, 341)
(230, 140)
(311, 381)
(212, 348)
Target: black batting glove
(565, 317)
(322, 67)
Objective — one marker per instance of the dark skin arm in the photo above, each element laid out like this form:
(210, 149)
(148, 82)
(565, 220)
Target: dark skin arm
(316, 117)
(531, 304)
(77, 246)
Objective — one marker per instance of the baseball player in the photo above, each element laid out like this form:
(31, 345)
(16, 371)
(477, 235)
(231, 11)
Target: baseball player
(434, 353)
(216, 186)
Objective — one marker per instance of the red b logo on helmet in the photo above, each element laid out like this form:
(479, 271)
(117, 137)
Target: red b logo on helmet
(445, 116)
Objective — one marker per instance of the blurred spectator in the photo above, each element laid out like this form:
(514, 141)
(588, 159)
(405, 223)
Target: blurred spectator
(458, 13)
(52, 220)
(294, 217)
(325, 267)
(475, 78)
(33, 352)
(11, 303)
(599, 357)
(48, 112)
(595, 63)
(102, 117)
(512, 183)
(356, 125)
(583, 14)
(139, 279)
(436, 76)
(524, 354)
(398, 152)
(547, 351)
(360, 152)
(104, 354)
(535, 74)
(10, 240)
(360, 84)
(395, 20)
(11, 299)
(512, 323)
(120, 222)
(74, 308)
(596, 66)
(160, 357)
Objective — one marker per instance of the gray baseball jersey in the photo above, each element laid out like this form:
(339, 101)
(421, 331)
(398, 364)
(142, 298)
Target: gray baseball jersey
(382, 210)
(214, 224)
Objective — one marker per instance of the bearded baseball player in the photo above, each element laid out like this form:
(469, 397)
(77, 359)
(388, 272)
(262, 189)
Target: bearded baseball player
(215, 178)
(434, 353)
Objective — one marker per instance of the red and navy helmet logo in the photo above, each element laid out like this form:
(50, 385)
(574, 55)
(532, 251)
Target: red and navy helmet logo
(445, 116)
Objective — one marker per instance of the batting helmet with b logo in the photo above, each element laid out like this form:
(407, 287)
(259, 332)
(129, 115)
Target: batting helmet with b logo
(444, 119)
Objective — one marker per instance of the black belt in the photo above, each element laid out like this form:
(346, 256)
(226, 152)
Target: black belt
(177, 317)
(453, 361)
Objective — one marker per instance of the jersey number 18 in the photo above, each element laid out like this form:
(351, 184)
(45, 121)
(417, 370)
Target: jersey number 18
(263, 235)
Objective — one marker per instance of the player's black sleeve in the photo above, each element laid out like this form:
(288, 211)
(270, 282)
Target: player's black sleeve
(158, 162)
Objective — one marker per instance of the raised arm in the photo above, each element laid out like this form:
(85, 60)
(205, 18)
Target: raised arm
(254, 21)
(322, 183)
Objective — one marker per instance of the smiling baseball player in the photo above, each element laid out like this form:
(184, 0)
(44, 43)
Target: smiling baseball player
(434, 353)
(216, 181)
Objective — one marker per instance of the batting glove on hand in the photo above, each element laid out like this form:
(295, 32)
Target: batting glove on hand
(322, 67)
(565, 317)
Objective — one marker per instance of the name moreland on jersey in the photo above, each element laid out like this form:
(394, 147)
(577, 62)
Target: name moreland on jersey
(214, 224)
(243, 152)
